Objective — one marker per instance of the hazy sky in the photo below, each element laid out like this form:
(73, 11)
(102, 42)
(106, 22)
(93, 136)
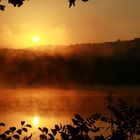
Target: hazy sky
(55, 23)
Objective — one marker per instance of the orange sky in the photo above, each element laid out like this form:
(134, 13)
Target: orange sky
(55, 23)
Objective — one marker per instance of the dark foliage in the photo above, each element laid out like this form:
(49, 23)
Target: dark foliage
(72, 2)
(2, 7)
(18, 3)
(15, 3)
(14, 133)
(123, 123)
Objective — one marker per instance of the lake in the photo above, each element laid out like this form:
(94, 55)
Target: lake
(54, 105)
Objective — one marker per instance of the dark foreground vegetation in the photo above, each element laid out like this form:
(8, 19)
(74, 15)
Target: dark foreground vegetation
(18, 3)
(109, 63)
(122, 123)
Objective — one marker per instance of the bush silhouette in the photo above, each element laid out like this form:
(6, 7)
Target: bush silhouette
(14, 133)
(123, 123)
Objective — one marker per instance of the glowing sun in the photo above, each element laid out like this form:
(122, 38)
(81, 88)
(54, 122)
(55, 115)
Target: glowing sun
(36, 39)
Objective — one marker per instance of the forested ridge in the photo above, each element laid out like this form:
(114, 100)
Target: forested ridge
(109, 63)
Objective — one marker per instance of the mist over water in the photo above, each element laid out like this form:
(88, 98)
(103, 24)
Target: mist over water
(58, 105)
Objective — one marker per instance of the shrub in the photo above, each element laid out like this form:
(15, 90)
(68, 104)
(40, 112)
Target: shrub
(123, 123)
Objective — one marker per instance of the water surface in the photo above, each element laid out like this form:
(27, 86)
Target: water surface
(58, 105)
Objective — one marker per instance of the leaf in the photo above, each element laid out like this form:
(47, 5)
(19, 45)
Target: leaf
(51, 136)
(2, 7)
(70, 129)
(22, 123)
(57, 127)
(75, 122)
(29, 137)
(19, 131)
(87, 120)
(3, 136)
(16, 136)
(45, 130)
(43, 137)
(78, 117)
(71, 2)
(12, 129)
(64, 128)
(25, 129)
(20, 3)
(60, 126)
(41, 129)
(89, 124)
(7, 132)
(2, 124)
(84, 128)
(54, 131)
(28, 125)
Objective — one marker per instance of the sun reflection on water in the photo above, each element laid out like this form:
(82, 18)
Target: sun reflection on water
(36, 120)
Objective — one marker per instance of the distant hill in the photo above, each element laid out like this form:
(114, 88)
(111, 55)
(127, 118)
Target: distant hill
(109, 63)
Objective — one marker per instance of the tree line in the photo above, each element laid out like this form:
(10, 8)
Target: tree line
(27, 68)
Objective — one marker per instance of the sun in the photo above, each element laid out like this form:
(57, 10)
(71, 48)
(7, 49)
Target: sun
(36, 39)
